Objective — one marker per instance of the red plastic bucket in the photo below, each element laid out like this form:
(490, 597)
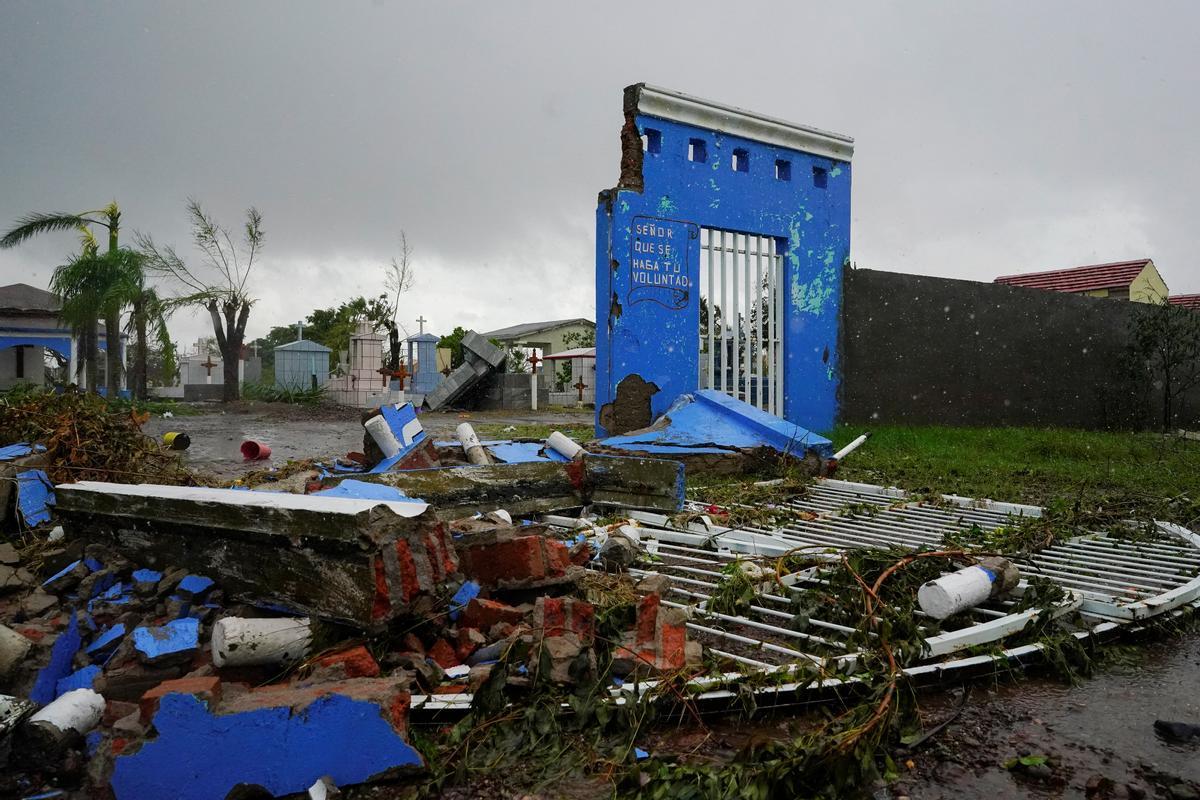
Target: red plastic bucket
(255, 451)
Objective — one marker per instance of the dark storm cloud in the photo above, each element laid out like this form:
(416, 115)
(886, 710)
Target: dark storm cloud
(991, 139)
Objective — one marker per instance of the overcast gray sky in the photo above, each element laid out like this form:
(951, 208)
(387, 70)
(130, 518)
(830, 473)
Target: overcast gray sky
(991, 138)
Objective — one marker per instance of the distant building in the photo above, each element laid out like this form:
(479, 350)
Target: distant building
(581, 388)
(30, 326)
(546, 337)
(1185, 300)
(1137, 281)
(302, 364)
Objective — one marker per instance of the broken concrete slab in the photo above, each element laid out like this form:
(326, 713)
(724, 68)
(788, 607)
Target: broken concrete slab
(707, 425)
(279, 738)
(177, 642)
(362, 562)
(14, 459)
(631, 481)
(395, 439)
(35, 495)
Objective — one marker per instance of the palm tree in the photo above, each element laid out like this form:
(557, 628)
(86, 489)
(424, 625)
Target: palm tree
(90, 272)
(148, 315)
(76, 286)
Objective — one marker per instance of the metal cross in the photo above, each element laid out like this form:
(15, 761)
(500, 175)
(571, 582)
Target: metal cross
(421, 322)
(534, 360)
(580, 387)
(208, 366)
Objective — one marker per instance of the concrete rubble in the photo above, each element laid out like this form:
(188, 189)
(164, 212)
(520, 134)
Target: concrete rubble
(284, 634)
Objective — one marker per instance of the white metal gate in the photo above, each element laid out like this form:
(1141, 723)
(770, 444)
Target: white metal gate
(741, 290)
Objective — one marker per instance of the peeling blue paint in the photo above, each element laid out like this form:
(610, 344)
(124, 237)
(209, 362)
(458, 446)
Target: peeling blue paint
(61, 655)
(199, 755)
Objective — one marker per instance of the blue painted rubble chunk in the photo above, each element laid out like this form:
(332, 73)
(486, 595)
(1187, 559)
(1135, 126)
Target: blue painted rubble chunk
(403, 423)
(465, 594)
(61, 655)
(710, 421)
(104, 584)
(176, 637)
(640, 754)
(147, 576)
(362, 490)
(185, 606)
(61, 573)
(12, 451)
(83, 678)
(104, 644)
(195, 586)
(35, 494)
(522, 452)
(92, 564)
(346, 739)
(93, 740)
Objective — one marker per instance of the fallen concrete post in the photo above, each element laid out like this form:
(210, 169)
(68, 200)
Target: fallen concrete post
(471, 446)
(565, 446)
(64, 721)
(479, 358)
(538, 486)
(358, 561)
(239, 642)
(968, 587)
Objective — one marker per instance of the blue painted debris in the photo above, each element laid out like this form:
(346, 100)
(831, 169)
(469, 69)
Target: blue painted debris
(640, 754)
(708, 421)
(62, 573)
(117, 595)
(84, 678)
(465, 594)
(281, 751)
(362, 490)
(103, 584)
(35, 494)
(177, 640)
(103, 645)
(20, 450)
(195, 587)
(93, 741)
(404, 425)
(61, 655)
(92, 564)
(522, 452)
(146, 576)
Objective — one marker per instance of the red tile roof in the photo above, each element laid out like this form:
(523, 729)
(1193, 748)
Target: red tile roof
(1117, 275)
(1185, 300)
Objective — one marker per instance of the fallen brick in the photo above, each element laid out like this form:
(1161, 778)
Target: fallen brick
(557, 616)
(443, 653)
(174, 643)
(483, 614)
(282, 739)
(356, 662)
(115, 710)
(658, 644)
(520, 562)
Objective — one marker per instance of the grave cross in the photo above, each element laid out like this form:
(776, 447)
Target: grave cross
(421, 322)
(208, 366)
(580, 387)
(534, 360)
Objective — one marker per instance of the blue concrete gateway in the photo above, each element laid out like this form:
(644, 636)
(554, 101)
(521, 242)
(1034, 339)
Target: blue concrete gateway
(725, 214)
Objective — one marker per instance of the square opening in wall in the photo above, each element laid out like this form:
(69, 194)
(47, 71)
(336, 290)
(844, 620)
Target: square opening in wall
(783, 170)
(697, 151)
(652, 141)
(820, 177)
(741, 160)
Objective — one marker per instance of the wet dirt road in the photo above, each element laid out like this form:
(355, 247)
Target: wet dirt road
(298, 432)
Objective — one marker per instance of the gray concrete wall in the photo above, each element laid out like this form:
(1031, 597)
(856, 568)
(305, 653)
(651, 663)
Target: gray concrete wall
(917, 349)
(504, 390)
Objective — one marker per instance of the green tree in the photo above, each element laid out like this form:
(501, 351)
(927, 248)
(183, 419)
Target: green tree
(218, 283)
(86, 279)
(1165, 345)
(148, 314)
(453, 342)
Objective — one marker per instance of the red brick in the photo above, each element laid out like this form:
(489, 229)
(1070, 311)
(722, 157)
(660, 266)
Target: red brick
(519, 560)
(483, 614)
(413, 643)
(469, 640)
(115, 709)
(581, 554)
(647, 619)
(554, 616)
(443, 653)
(208, 689)
(357, 662)
(558, 557)
(390, 694)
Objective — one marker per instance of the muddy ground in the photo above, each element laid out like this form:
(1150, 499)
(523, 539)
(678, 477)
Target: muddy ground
(296, 432)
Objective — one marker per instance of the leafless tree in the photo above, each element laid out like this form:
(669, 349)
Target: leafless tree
(398, 279)
(218, 283)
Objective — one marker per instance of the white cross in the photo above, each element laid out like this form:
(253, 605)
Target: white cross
(421, 321)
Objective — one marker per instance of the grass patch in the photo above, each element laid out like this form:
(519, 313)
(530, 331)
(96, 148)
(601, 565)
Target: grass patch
(499, 430)
(1136, 473)
(157, 407)
(269, 393)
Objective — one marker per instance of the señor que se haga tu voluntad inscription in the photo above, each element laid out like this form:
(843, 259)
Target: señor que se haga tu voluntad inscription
(660, 262)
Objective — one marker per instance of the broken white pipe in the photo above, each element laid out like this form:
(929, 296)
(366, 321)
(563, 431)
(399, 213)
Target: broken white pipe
(471, 446)
(957, 591)
(242, 642)
(78, 710)
(564, 445)
(533, 388)
(377, 426)
(850, 448)
(13, 649)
